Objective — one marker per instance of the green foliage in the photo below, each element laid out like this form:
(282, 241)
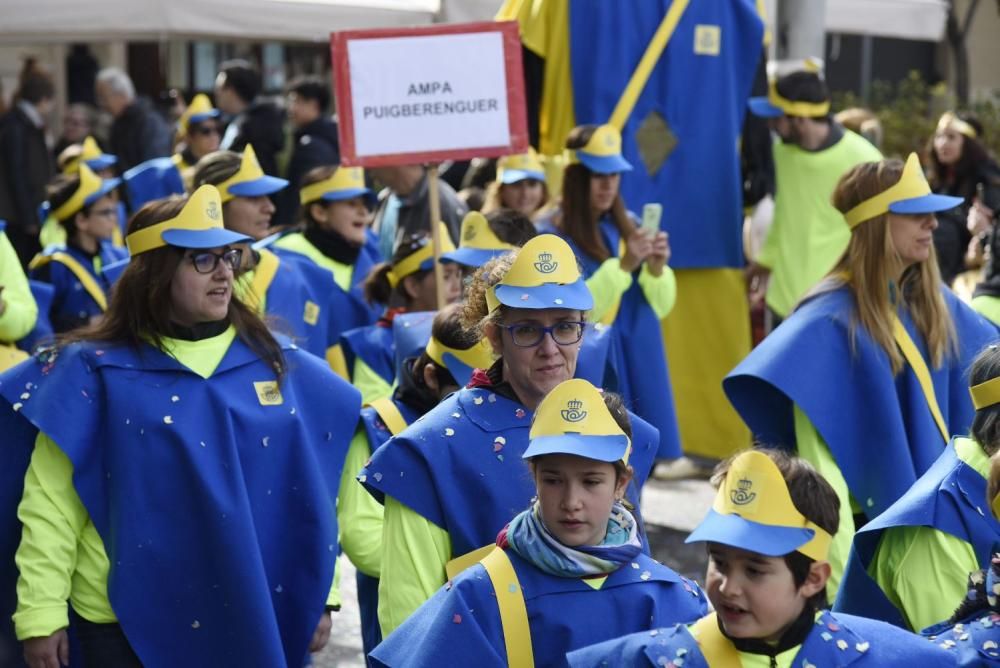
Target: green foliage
(909, 111)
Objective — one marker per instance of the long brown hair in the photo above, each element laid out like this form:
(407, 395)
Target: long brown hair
(577, 220)
(870, 264)
(139, 308)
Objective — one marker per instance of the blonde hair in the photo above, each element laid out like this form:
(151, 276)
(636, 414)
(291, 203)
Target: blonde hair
(870, 264)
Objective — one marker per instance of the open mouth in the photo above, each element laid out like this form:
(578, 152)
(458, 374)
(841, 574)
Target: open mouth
(731, 613)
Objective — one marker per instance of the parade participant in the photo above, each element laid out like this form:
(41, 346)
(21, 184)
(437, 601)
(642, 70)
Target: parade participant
(18, 311)
(807, 235)
(241, 436)
(68, 163)
(335, 212)
(867, 378)
(768, 535)
(520, 185)
(485, 237)
(403, 285)
(460, 481)
(937, 531)
(296, 299)
(626, 270)
(558, 567)
(199, 132)
(84, 207)
(444, 365)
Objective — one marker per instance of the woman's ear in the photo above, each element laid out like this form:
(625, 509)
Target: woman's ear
(411, 287)
(430, 378)
(493, 334)
(819, 573)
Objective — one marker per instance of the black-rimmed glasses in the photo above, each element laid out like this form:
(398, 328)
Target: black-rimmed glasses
(205, 262)
(528, 335)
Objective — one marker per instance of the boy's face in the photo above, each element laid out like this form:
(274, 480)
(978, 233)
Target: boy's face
(754, 595)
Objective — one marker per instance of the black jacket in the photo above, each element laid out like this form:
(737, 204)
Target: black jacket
(140, 134)
(26, 166)
(316, 144)
(262, 125)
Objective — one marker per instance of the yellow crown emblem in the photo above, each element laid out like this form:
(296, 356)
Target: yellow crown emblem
(470, 233)
(573, 411)
(545, 265)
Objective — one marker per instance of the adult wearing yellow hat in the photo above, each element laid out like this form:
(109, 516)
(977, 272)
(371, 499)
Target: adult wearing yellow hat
(866, 379)
(461, 480)
(199, 132)
(520, 185)
(182, 400)
(557, 568)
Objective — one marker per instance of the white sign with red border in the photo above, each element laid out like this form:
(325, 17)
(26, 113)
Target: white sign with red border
(424, 95)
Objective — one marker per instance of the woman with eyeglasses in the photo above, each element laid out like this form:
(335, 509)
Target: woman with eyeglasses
(452, 480)
(181, 488)
(85, 208)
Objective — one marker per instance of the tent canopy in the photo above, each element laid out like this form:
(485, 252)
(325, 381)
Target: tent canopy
(905, 19)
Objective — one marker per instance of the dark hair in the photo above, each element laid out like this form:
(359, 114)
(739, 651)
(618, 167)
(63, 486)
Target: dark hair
(962, 177)
(311, 88)
(511, 227)
(446, 328)
(803, 87)
(986, 423)
(377, 287)
(59, 191)
(811, 495)
(577, 220)
(242, 78)
(215, 168)
(35, 83)
(139, 307)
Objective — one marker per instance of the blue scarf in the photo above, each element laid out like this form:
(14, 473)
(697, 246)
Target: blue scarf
(528, 536)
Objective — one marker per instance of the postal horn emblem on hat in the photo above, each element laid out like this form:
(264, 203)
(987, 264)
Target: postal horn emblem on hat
(545, 265)
(573, 412)
(741, 495)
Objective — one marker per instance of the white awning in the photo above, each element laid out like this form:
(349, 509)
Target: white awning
(905, 19)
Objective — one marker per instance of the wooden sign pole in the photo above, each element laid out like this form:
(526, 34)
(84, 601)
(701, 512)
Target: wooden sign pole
(435, 209)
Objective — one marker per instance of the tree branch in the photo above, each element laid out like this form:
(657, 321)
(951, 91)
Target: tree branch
(969, 14)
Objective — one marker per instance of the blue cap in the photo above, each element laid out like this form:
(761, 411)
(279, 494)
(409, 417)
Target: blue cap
(107, 185)
(925, 204)
(102, 161)
(472, 257)
(264, 185)
(213, 238)
(769, 540)
(602, 153)
(761, 106)
(515, 175)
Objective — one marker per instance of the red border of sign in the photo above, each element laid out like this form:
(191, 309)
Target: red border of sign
(516, 110)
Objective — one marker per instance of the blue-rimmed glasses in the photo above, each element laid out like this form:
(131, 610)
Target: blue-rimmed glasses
(205, 262)
(529, 334)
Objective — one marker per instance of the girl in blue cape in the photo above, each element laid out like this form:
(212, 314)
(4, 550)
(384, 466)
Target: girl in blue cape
(936, 532)
(182, 486)
(451, 480)
(83, 205)
(295, 299)
(867, 378)
(564, 573)
(768, 534)
(405, 284)
(445, 363)
(626, 271)
(520, 185)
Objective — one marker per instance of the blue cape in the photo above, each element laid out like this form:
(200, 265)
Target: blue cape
(462, 618)
(70, 302)
(974, 642)
(375, 346)
(865, 643)
(851, 396)
(153, 179)
(206, 566)
(469, 483)
(949, 497)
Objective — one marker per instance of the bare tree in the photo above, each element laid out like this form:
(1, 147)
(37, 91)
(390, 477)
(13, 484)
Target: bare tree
(957, 32)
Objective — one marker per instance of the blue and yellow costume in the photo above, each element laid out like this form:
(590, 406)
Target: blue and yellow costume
(452, 480)
(80, 289)
(224, 559)
(859, 401)
(20, 312)
(972, 634)
(533, 598)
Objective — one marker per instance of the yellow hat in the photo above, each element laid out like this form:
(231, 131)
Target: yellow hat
(514, 168)
(461, 363)
(477, 243)
(910, 195)
(949, 121)
(344, 183)
(90, 154)
(986, 394)
(573, 419)
(753, 511)
(198, 225)
(421, 259)
(199, 110)
(544, 275)
(92, 187)
(250, 180)
(603, 152)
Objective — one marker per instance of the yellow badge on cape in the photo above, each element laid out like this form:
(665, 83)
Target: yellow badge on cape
(311, 313)
(707, 40)
(268, 393)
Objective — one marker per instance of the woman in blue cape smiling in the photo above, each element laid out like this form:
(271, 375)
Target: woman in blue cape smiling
(452, 480)
(867, 379)
(566, 572)
(181, 487)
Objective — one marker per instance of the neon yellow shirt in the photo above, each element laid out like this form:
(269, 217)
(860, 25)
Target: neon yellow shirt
(923, 570)
(371, 385)
(988, 307)
(342, 273)
(807, 235)
(359, 515)
(610, 281)
(20, 311)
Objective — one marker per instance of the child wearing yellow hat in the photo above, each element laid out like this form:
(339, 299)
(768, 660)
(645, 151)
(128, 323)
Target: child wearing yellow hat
(566, 572)
(768, 534)
(484, 237)
(520, 185)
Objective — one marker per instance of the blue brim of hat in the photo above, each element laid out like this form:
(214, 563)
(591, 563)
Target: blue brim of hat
(102, 161)
(213, 238)
(550, 295)
(744, 534)
(514, 175)
(107, 185)
(604, 164)
(341, 195)
(608, 448)
(761, 106)
(925, 204)
(472, 257)
(459, 370)
(194, 119)
(265, 185)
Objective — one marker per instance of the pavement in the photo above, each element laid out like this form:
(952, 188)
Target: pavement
(670, 511)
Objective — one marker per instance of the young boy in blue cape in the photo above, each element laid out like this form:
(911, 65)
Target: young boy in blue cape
(938, 531)
(768, 534)
(566, 572)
